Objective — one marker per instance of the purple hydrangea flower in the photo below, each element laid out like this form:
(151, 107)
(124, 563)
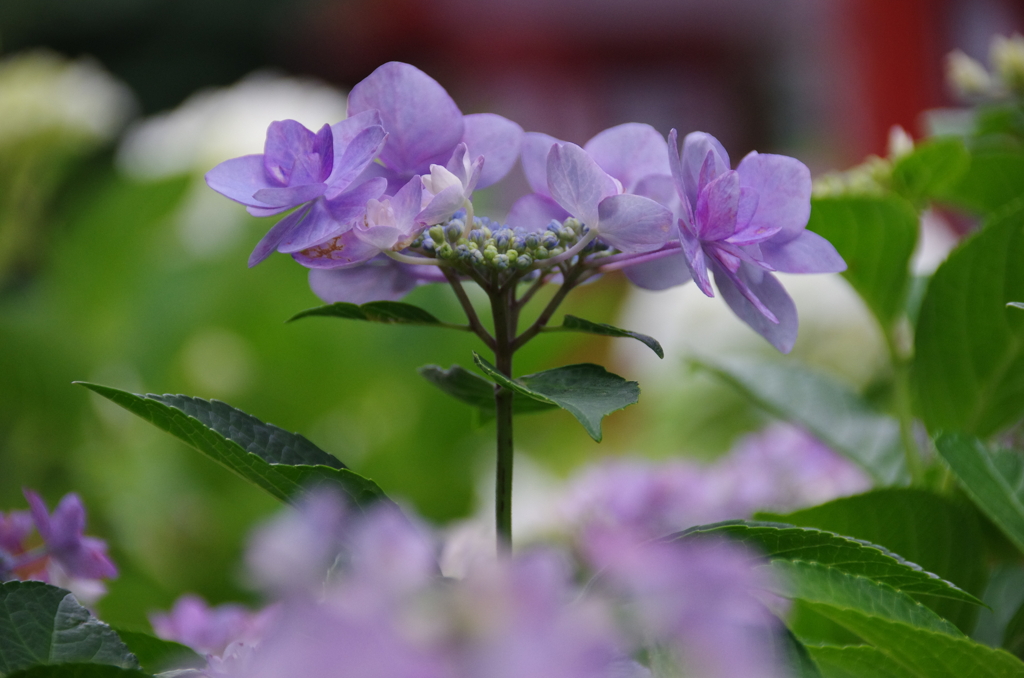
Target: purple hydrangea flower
(320, 173)
(743, 224)
(208, 630)
(78, 556)
(15, 526)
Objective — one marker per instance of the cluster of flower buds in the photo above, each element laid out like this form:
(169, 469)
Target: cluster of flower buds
(64, 557)
(970, 80)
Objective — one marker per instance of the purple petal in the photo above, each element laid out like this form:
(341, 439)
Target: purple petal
(717, 206)
(422, 121)
(496, 138)
(632, 223)
(630, 152)
(294, 155)
(40, 514)
(748, 231)
(696, 147)
(345, 251)
(88, 560)
(660, 188)
(660, 274)
(67, 523)
(381, 279)
(357, 155)
(783, 185)
(14, 528)
(769, 291)
(696, 261)
(534, 212)
(577, 183)
(457, 164)
(275, 235)
(442, 206)
(240, 178)
(283, 198)
(349, 128)
(406, 203)
(351, 204)
(265, 211)
(534, 157)
(318, 225)
(806, 253)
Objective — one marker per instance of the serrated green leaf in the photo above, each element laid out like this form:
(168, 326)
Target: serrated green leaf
(848, 555)
(156, 654)
(474, 390)
(79, 671)
(828, 585)
(876, 236)
(968, 369)
(586, 391)
(925, 653)
(388, 312)
(856, 661)
(43, 624)
(933, 167)
(939, 534)
(573, 324)
(995, 481)
(282, 463)
(825, 407)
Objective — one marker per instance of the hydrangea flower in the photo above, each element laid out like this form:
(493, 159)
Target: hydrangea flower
(209, 630)
(77, 555)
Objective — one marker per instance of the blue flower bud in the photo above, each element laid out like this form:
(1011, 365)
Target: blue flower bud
(477, 236)
(500, 262)
(549, 241)
(453, 231)
(554, 226)
(541, 253)
(428, 244)
(524, 261)
(532, 241)
(518, 243)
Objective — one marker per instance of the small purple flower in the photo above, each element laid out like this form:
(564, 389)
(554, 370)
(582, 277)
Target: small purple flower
(208, 630)
(320, 173)
(78, 556)
(743, 224)
(15, 526)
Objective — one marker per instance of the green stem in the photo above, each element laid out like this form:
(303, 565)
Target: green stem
(474, 322)
(904, 409)
(504, 335)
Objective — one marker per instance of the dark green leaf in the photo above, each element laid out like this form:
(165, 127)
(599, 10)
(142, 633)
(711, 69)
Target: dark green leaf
(876, 236)
(931, 168)
(993, 180)
(474, 390)
(1004, 596)
(969, 347)
(156, 655)
(282, 463)
(845, 554)
(43, 624)
(390, 312)
(588, 392)
(78, 671)
(825, 407)
(573, 324)
(940, 535)
(857, 661)
(995, 481)
(825, 585)
(1013, 638)
(793, 653)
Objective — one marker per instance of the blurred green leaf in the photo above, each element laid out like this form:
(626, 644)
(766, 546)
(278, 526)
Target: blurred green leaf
(993, 180)
(825, 407)
(573, 324)
(856, 661)
(587, 391)
(282, 463)
(156, 654)
(474, 390)
(932, 167)
(938, 534)
(43, 624)
(791, 652)
(969, 347)
(845, 554)
(876, 236)
(78, 671)
(995, 481)
(1004, 596)
(388, 312)
(1013, 639)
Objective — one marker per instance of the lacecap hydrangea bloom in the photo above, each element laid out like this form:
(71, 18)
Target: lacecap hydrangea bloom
(382, 202)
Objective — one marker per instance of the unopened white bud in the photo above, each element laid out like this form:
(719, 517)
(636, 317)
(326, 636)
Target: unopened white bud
(966, 76)
(900, 143)
(1007, 56)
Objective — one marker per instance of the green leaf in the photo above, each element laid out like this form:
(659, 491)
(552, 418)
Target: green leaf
(829, 586)
(995, 481)
(789, 651)
(969, 347)
(43, 624)
(856, 661)
(1013, 639)
(389, 312)
(1004, 596)
(156, 655)
(573, 324)
(993, 180)
(933, 167)
(925, 653)
(474, 390)
(78, 671)
(825, 407)
(588, 392)
(876, 236)
(845, 554)
(282, 463)
(940, 535)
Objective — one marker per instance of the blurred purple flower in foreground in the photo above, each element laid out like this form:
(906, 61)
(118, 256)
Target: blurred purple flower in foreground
(209, 630)
(379, 607)
(78, 556)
